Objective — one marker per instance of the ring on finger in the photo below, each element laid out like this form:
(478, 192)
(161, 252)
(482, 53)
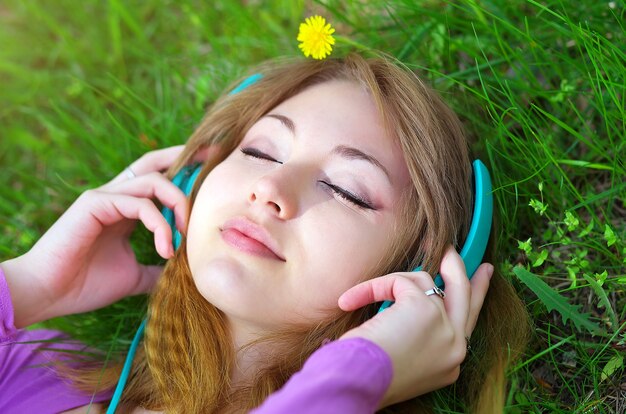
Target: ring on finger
(435, 291)
(129, 173)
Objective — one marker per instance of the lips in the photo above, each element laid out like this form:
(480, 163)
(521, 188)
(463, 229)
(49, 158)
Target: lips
(247, 236)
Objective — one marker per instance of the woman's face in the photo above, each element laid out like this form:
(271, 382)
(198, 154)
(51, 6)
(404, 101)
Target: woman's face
(302, 210)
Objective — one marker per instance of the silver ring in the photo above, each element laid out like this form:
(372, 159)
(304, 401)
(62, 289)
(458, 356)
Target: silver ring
(435, 291)
(129, 173)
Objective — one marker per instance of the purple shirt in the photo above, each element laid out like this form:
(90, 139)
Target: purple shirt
(346, 376)
(25, 385)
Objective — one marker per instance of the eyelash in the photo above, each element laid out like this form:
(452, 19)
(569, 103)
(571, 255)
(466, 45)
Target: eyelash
(346, 195)
(255, 153)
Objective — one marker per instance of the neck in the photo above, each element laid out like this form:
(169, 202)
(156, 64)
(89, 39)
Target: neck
(248, 362)
(249, 359)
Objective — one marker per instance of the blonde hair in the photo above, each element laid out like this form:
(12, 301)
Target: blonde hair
(187, 354)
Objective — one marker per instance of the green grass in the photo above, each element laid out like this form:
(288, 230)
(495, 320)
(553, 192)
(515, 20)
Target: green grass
(87, 87)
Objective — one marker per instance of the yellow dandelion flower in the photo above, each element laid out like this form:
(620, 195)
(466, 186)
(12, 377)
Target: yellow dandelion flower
(316, 37)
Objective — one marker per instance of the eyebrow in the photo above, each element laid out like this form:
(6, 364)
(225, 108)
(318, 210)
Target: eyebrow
(345, 151)
(287, 122)
(352, 153)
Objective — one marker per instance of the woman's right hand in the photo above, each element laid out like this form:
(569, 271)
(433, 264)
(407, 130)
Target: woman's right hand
(85, 260)
(424, 336)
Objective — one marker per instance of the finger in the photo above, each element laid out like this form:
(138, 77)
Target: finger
(423, 279)
(158, 160)
(479, 287)
(457, 289)
(205, 153)
(155, 185)
(390, 287)
(109, 209)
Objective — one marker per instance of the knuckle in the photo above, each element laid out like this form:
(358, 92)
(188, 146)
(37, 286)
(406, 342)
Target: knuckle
(144, 162)
(458, 354)
(423, 275)
(153, 177)
(420, 278)
(453, 375)
(156, 175)
(148, 156)
(89, 194)
(456, 348)
(397, 277)
(159, 179)
(146, 204)
(448, 338)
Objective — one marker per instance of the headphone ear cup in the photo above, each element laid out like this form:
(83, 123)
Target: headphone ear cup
(184, 180)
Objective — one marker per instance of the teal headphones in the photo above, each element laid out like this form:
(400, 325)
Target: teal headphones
(472, 252)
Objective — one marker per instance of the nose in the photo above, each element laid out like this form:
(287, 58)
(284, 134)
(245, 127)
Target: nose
(275, 194)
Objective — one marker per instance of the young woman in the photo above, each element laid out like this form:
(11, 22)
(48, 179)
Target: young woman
(320, 177)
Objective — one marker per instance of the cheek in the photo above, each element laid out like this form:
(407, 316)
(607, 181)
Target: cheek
(207, 210)
(215, 192)
(219, 183)
(341, 254)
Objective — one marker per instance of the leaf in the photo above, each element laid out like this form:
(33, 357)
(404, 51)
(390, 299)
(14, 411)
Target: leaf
(571, 221)
(604, 300)
(613, 365)
(609, 236)
(526, 246)
(601, 277)
(586, 230)
(571, 272)
(541, 257)
(553, 301)
(538, 206)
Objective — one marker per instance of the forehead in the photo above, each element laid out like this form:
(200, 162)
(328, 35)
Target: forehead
(335, 106)
(342, 112)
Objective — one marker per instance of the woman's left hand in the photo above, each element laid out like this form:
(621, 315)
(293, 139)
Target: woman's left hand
(425, 336)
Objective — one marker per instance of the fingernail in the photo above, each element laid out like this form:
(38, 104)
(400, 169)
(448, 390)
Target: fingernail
(490, 270)
(340, 301)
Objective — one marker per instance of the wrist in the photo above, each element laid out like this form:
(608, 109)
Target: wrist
(28, 303)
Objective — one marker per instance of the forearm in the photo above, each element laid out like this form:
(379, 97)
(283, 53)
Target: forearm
(29, 303)
(347, 376)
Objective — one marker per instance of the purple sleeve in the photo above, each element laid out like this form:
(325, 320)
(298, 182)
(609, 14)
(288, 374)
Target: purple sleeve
(26, 385)
(345, 376)
(7, 327)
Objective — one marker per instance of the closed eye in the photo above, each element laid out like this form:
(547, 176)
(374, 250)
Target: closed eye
(350, 197)
(255, 153)
(338, 191)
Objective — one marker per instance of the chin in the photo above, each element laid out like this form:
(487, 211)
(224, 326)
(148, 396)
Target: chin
(227, 285)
